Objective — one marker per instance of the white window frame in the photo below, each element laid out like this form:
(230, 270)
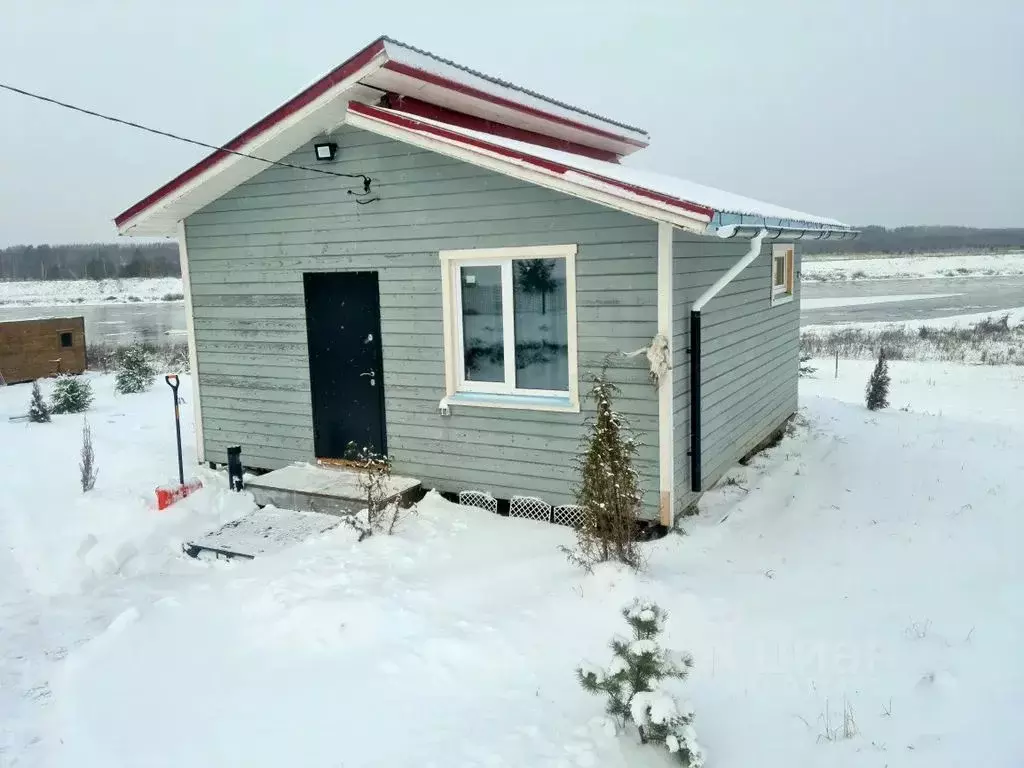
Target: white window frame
(783, 294)
(504, 394)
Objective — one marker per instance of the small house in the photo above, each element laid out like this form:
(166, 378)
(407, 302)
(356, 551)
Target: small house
(429, 261)
(37, 349)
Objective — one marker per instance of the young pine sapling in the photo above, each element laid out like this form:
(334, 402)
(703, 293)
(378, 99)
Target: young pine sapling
(635, 685)
(608, 492)
(87, 468)
(38, 410)
(876, 393)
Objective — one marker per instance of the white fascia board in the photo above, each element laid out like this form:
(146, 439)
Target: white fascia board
(580, 186)
(273, 144)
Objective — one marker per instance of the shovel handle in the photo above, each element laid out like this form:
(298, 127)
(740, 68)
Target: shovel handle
(172, 381)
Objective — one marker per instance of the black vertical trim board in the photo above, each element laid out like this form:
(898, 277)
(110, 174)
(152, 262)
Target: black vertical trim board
(695, 397)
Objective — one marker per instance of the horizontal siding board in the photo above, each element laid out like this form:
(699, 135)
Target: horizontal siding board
(749, 352)
(249, 250)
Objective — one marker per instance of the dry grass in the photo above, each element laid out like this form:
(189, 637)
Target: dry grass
(169, 357)
(990, 342)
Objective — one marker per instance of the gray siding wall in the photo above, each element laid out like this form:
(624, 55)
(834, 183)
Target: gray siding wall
(248, 251)
(750, 356)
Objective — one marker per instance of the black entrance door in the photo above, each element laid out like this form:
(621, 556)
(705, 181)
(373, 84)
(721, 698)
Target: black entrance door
(343, 332)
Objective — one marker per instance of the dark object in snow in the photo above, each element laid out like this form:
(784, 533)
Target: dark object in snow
(135, 372)
(168, 494)
(71, 394)
(38, 410)
(805, 368)
(235, 482)
(87, 468)
(608, 492)
(633, 685)
(876, 393)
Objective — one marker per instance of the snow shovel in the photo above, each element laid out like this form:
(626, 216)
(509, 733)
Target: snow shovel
(168, 494)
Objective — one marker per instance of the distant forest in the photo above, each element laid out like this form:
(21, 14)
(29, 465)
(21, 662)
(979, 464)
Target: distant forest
(920, 240)
(97, 261)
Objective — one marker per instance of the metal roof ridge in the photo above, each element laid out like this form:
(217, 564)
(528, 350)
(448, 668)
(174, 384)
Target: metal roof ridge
(513, 86)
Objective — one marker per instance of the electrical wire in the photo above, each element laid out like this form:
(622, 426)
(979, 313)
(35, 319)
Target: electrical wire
(365, 179)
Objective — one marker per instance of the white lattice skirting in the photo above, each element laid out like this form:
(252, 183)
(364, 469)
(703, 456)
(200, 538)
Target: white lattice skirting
(479, 499)
(530, 507)
(568, 514)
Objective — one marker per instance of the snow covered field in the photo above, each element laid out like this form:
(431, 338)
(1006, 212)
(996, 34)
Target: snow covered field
(870, 563)
(59, 292)
(906, 267)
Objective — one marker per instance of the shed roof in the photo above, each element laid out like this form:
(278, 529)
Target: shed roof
(389, 68)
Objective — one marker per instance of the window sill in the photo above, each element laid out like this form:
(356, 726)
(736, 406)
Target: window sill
(556, 403)
(783, 298)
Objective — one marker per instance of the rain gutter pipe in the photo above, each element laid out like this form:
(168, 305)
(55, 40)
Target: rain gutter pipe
(757, 235)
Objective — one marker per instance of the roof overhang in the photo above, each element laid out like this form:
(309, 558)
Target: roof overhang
(544, 172)
(383, 66)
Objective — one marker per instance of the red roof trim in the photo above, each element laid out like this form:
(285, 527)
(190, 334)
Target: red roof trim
(413, 106)
(549, 165)
(290, 107)
(468, 90)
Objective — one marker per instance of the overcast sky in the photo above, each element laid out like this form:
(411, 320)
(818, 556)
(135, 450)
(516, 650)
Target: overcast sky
(872, 111)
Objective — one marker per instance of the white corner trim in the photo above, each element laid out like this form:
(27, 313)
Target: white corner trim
(452, 327)
(651, 210)
(193, 356)
(666, 431)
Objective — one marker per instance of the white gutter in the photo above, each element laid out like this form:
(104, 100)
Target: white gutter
(735, 269)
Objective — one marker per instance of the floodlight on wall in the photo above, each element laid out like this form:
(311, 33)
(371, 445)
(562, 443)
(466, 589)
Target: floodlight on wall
(325, 151)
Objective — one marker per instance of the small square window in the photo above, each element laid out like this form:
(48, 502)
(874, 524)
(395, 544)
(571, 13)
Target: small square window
(783, 263)
(66, 339)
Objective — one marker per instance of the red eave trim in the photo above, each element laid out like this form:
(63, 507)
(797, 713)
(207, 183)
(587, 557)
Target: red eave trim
(413, 106)
(290, 107)
(549, 165)
(468, 90)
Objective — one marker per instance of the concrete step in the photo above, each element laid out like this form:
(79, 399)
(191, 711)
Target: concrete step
(330, 490)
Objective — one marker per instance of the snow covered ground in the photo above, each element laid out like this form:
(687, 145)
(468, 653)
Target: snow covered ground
(870, 563)
(59, 292)
(905, 267)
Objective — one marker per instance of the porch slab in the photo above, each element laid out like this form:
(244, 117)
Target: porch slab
(329, 490)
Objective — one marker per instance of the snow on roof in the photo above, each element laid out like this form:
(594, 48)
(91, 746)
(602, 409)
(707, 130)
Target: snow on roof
(430, 62)
(726, 205)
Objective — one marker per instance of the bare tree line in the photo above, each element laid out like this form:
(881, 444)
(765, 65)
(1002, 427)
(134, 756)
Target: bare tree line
(89, 261)
(98, 261)
(921, 240)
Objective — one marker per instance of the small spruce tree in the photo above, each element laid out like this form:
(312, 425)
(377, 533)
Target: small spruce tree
(38, 410)
(634, 684)
(87, 468)
(608, 492)
(71, 394)
(876, 393)
(135, 372)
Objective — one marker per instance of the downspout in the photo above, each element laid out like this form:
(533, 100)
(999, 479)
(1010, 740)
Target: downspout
(695, 347)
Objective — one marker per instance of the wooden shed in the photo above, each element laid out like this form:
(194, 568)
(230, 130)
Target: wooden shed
(436, 262)
(35, 349)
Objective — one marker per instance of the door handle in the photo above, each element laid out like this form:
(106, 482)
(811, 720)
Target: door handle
(369, 373)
